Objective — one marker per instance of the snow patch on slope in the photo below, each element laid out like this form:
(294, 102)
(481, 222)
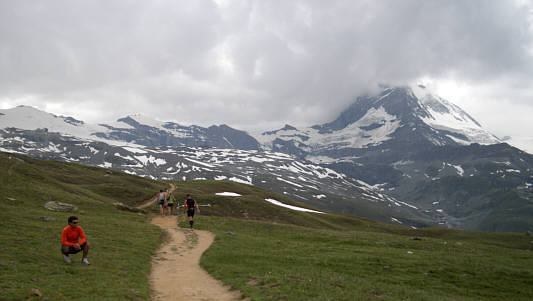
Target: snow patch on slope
(278, 203)
(225, 193)
(354, 135)
(380, 126)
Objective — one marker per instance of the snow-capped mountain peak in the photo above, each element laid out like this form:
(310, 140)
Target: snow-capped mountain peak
(446, 116)
(30, 118)
(399, 115)
(139, 119)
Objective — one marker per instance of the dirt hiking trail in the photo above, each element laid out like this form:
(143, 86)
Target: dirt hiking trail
(176, 273)
(154, 199)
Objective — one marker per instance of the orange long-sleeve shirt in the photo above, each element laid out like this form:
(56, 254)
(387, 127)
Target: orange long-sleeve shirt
(71, 236)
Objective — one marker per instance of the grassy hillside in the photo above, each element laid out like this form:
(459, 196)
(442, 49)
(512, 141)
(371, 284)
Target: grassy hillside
(122, 243)
(287, 255)
(282, 262)
(266, 251)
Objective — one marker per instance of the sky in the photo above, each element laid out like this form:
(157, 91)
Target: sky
(258, 65)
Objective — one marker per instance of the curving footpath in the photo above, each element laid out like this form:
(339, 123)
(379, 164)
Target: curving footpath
(176, 273)
(153, 200)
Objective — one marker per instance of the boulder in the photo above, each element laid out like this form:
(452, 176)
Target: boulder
(35, 292)
(61, 207)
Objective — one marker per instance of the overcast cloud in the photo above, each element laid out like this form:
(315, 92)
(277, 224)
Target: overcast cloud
(261, 64)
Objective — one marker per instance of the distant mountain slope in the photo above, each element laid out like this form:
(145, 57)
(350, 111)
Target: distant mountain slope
(32, 183)
(395, 115)
(301, 180)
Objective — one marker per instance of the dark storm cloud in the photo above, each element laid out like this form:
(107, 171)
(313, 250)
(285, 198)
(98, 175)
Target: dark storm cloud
(250, 63)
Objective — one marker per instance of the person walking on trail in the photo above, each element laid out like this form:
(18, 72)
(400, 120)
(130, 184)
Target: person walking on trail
(170, 202)
(71, 243)
(162, 198)
(189, 206)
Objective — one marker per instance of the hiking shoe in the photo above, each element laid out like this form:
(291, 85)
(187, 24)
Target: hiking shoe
(66, 258)
(85, 261)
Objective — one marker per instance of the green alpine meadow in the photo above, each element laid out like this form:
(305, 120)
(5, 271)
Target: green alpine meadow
(265, 251)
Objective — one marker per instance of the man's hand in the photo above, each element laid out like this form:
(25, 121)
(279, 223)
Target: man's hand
(76, 246)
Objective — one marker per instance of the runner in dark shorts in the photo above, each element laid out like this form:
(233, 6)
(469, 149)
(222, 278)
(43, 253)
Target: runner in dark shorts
(190, 206)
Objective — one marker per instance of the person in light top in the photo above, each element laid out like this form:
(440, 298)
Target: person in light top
(162, 199)
(71, 243)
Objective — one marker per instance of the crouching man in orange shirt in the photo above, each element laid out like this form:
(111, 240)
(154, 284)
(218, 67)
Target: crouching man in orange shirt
(70, 241)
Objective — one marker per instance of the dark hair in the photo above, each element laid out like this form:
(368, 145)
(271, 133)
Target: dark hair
(188, 195)
(160, 190)
(72, 218)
